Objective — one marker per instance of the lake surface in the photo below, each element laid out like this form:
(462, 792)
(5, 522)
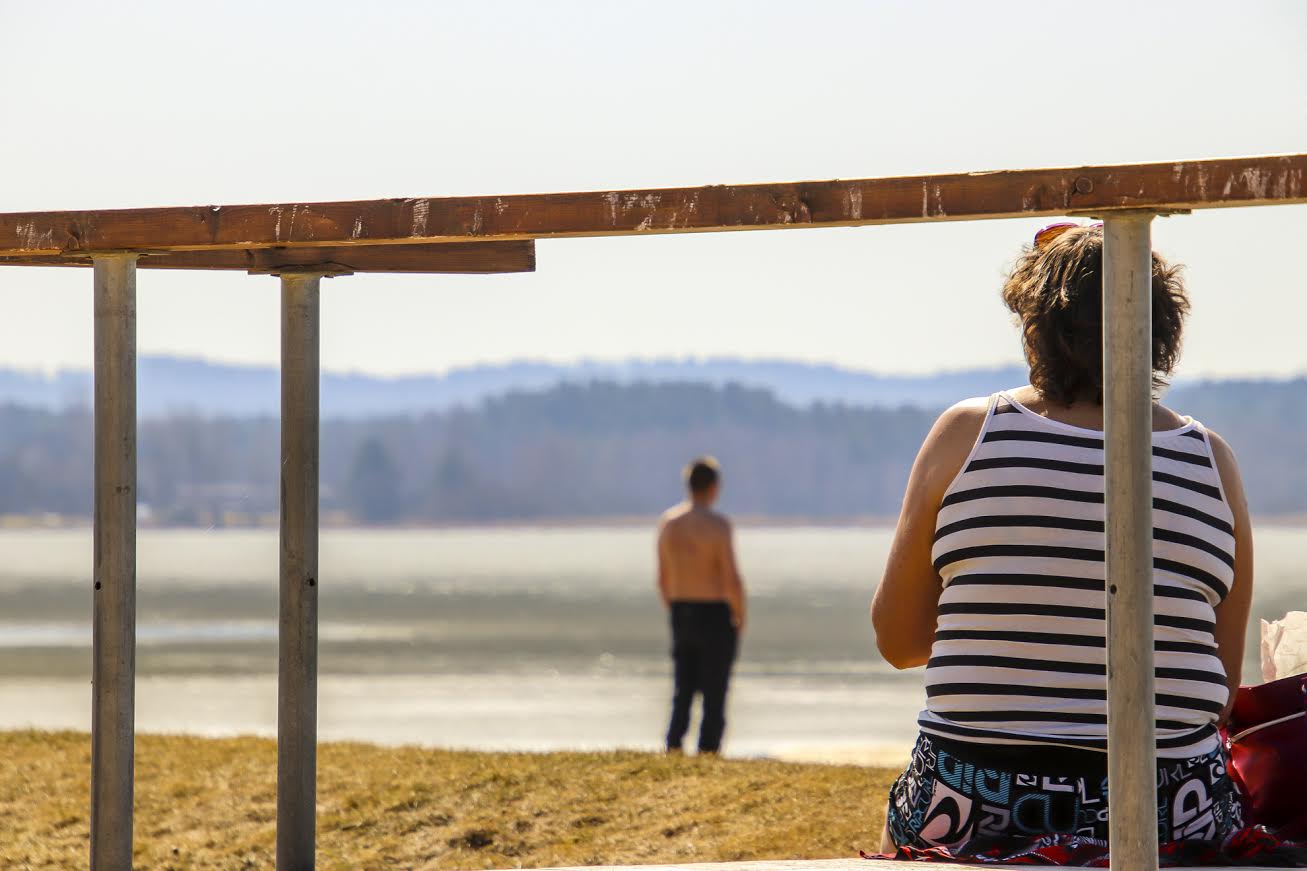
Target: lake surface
(485, 638)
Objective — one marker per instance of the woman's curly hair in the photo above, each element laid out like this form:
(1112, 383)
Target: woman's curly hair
(1057, 292)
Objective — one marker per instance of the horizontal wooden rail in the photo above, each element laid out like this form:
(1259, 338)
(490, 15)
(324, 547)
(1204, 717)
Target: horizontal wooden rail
(1242, 181)
(447, 257)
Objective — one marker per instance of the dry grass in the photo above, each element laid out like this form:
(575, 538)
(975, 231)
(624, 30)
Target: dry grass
(207, 803)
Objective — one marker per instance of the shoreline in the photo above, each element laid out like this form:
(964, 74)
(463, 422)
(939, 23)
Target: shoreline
(26, 523)
(869, 756)
(508, 715)
(627, 521)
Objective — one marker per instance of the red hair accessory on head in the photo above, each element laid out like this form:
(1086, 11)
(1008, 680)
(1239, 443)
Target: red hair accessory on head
(1052, 231)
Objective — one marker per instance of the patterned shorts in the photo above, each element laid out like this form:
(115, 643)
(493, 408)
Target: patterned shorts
(954, 791)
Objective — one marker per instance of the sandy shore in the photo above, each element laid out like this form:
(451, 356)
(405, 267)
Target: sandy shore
(893, 756)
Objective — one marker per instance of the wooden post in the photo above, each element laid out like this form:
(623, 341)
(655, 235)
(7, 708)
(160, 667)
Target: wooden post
(297, 674)
(113, 669)
(1128, 426)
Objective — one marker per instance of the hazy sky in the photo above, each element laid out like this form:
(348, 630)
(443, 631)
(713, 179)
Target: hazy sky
(140, 104)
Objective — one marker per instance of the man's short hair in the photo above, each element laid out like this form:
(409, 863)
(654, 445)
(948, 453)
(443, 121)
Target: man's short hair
(701, 474)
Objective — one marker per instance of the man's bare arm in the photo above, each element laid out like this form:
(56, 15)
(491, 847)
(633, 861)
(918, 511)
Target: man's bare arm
(734, 583)
(664, 589)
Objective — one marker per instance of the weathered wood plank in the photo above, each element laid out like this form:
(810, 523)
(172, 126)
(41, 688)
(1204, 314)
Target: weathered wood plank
(443, 257)
(1243, 181)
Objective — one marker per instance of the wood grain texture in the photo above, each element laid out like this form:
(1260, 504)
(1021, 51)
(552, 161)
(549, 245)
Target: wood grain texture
(1128, 457)
(441, 257)
(297, 632)
(1244, 181)
(113, 613)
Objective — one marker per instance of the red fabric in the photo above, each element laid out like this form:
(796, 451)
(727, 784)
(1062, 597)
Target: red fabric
(1249, 847)
(1270, 765)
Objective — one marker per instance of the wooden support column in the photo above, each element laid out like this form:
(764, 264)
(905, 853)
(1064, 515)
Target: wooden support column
(113, 669)
(1128, 428)
(297, 673)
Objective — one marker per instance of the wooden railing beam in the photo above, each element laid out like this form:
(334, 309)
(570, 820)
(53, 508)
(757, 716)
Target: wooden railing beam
(1241, 181)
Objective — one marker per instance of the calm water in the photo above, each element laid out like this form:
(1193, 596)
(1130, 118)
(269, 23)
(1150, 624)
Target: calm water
(496, 638)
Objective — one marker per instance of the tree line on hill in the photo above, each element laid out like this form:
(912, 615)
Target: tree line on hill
(169, 385)
(574, 451)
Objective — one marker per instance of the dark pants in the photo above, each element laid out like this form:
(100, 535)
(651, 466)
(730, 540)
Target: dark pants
(703, 650)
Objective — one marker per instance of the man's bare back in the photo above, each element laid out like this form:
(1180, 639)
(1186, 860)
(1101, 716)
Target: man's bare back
(696, 559)
(704, 596)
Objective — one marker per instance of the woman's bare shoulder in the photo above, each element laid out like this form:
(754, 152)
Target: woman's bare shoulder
(1165, 417)
(951, 439)
(976, 405)
(962, 421)
(942, 454)
(1220, 447)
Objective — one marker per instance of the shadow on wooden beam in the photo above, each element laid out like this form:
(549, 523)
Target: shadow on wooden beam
(441, 257)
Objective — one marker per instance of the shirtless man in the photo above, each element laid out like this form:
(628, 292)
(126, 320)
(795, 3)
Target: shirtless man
(702, 590)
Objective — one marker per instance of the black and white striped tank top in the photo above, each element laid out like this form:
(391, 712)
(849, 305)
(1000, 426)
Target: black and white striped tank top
(1020, 654)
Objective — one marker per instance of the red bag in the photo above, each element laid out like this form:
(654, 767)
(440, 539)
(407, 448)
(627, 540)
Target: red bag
(1268, 754)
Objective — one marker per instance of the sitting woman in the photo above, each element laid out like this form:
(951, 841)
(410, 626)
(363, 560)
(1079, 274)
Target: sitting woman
(995, 583)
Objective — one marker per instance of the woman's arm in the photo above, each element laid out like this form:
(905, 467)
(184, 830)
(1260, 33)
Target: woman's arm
(1232, 613)
(903, 611)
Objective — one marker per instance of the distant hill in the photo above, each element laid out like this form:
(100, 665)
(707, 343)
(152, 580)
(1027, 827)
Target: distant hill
(594, 449)
(171, 385)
